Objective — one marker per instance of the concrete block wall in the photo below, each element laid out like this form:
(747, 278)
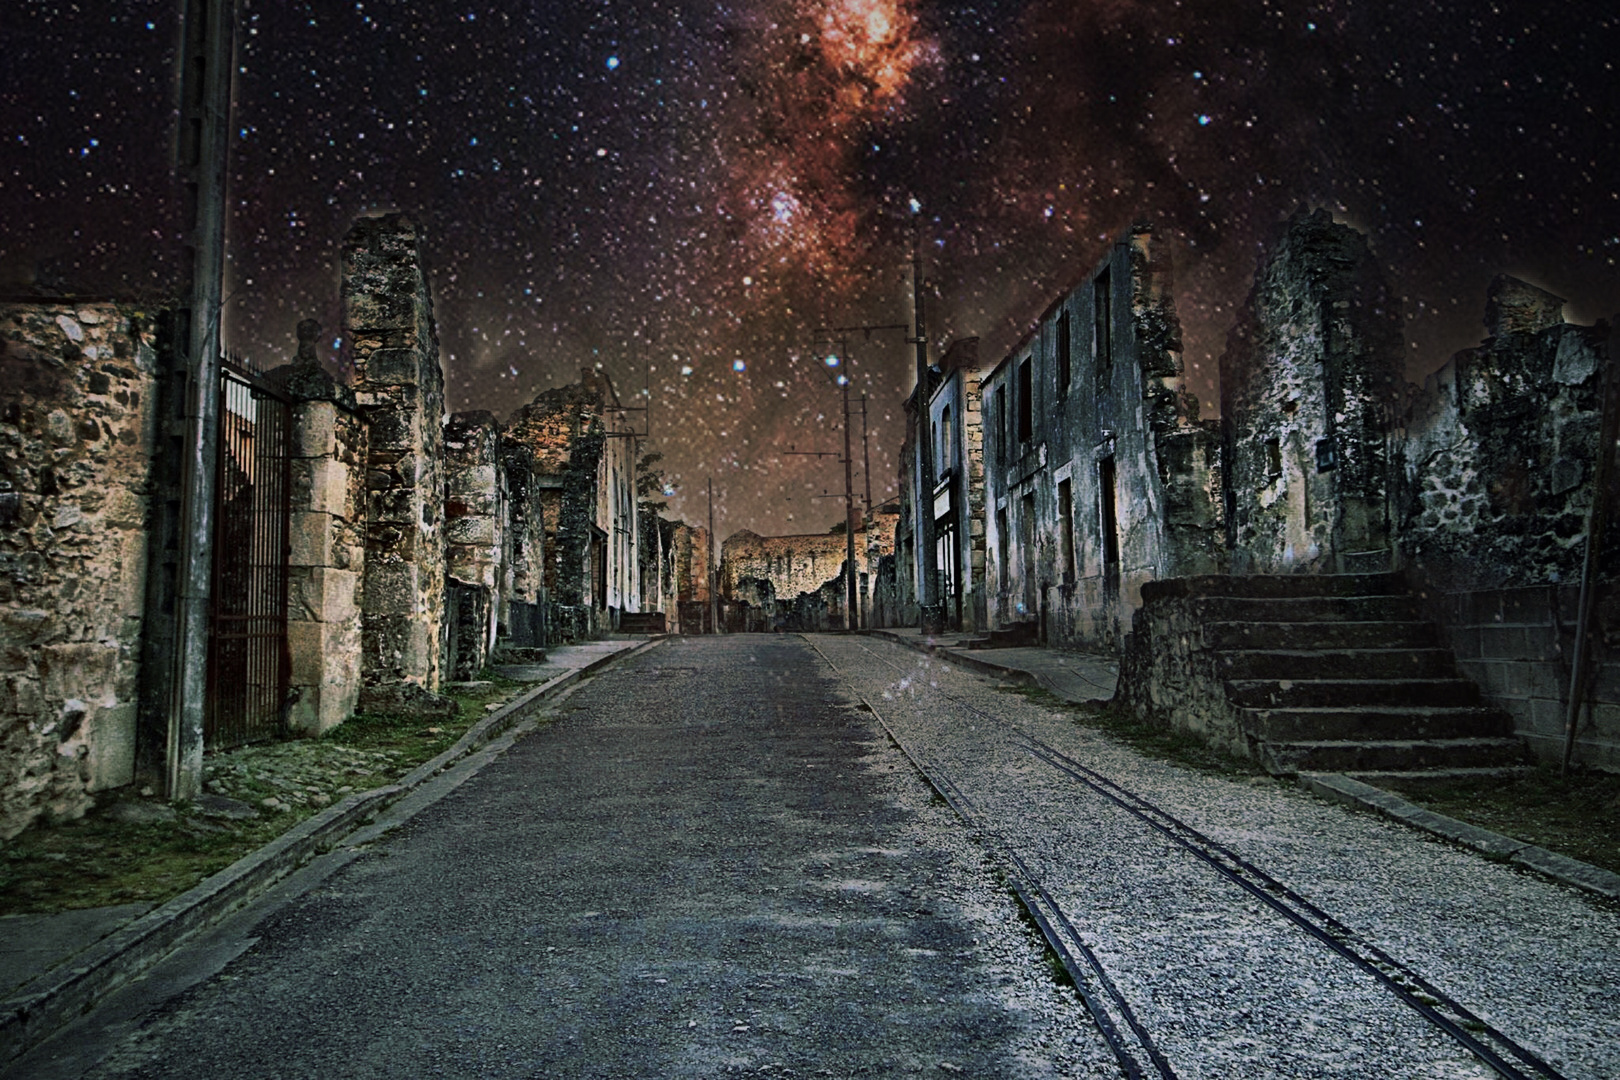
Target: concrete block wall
(399, 387)
(1518, 645)
(326, 570)
(78, 426)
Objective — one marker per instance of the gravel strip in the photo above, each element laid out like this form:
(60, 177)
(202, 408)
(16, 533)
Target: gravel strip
(1227, 987)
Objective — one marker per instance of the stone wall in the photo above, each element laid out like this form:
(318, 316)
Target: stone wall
(1497, 465)
(399, 386)
(1497, 453)
(328, 544)
(478, 544)
(77, 426)
(1310, 380)
(791, 564)
(581, 454)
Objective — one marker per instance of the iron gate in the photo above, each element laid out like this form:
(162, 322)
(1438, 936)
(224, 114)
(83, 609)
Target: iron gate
(248, 658)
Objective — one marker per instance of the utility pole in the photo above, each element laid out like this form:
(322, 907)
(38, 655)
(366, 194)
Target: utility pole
(866, 460)
(714, 576)
(205, 117)
(853, 621)
(922, 526)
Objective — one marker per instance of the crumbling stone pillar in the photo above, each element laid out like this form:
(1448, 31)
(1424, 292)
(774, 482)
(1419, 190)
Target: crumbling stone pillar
(477, 511)
(328, 543)
(399, 387)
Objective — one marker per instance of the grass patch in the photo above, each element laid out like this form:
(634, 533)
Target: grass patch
(1054, 963)
(1163, 743)
(95, 861)
(1578, 815)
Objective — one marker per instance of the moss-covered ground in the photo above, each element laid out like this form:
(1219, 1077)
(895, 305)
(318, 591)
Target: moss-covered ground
(99, 860)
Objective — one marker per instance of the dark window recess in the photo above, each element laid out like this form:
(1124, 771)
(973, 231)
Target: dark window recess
(1102, 315)
(1110, 526)
(1327, 458)
(1026, 403)
(1001, 546)
(1065, 507)
(1273, 458)
(1064, 357)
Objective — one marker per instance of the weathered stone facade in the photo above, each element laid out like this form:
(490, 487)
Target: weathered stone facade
(1497, 479)
(1310, 381)
(326, 564)
(792, 582)
(399, 386)
(1477, 489)
(954, 496)
(478, 546)
(78, 421)
(675, 578)
(1099, 475)
(582, 456)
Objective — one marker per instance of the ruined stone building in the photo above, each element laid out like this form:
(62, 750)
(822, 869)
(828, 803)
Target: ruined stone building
(954, 495)
(770, 583)
(1099, 476)
(1472, 496)
(675, 574)
(366, 547)
(582, 453)
(1310, 383)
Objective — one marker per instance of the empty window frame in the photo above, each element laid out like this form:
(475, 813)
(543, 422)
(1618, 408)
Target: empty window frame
(1026, 402)
(1065, 358)
(1003, 571)
(1102, 322)
(1065, 509)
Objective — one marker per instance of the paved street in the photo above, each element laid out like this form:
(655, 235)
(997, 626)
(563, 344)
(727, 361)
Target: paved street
(716, 861)
(712, 861)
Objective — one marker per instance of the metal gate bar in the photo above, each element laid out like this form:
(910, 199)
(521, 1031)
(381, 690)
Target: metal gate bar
(248, 661)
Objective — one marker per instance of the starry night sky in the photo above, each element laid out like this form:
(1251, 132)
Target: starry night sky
(683, 191)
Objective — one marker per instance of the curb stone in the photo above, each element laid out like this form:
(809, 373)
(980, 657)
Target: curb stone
(1560, 868)
(72, 988)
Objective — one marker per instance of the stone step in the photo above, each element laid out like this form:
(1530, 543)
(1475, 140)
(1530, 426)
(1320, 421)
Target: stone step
(1336, 664)
(1276, 585)
(1392, 722)
(1362, 755)
(1388, 608)
(1323, 693)
(1320, 635)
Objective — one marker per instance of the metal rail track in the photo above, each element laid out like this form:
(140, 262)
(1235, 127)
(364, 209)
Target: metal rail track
(1491, 1046)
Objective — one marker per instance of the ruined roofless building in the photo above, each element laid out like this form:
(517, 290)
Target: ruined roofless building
(1099, 474)
(583, 456)
(1310, 381)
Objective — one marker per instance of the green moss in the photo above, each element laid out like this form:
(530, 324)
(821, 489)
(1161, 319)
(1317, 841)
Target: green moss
(94, 862)
(1577, 815)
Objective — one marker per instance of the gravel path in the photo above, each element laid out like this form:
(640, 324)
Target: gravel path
(1227, 987)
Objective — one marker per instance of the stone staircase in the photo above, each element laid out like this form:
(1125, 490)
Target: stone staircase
(1334, 673)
